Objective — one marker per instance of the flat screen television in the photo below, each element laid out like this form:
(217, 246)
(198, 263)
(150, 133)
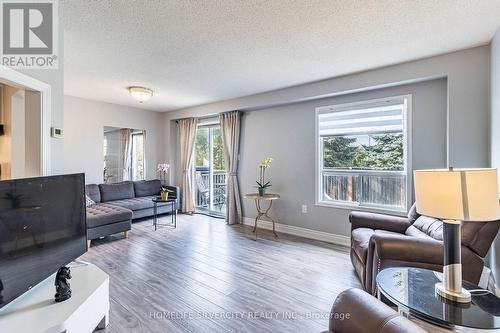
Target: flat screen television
(42, 228)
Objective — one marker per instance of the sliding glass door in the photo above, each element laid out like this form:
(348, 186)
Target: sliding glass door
(210, 175)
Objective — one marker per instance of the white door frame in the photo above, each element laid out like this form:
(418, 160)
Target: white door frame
(15, 78)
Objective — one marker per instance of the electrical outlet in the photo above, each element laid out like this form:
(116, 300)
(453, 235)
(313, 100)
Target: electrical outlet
(304, 209)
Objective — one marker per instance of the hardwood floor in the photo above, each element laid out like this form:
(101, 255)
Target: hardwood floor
(206, 276)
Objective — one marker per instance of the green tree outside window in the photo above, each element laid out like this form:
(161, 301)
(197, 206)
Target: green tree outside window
(383, 152)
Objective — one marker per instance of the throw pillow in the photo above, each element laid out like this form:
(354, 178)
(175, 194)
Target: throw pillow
(88, 201)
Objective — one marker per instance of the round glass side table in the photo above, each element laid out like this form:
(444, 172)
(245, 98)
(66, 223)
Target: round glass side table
(412, 291)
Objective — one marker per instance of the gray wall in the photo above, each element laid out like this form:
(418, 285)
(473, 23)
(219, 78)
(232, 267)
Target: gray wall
(282, 125)
(494, 257)
(467, 74)
(495, 100)
(287, 134)
(84, 122)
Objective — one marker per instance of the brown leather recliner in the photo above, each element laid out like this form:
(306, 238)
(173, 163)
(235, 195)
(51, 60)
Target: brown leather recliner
(379, 241)
(355, 311)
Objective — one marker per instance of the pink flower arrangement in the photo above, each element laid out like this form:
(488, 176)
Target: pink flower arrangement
(163, 170)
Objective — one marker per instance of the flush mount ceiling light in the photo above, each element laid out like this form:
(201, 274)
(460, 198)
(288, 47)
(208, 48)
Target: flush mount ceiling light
(141, 94)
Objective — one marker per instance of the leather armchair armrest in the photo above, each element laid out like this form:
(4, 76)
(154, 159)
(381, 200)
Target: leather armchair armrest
(378, 221)
(357, 311)
(406, 248)
(386, 250)
(401, 250)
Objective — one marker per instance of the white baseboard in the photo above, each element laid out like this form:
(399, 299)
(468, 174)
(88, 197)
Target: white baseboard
(301, 232)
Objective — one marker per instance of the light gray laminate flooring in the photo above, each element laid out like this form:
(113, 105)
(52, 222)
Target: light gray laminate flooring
(206, 276)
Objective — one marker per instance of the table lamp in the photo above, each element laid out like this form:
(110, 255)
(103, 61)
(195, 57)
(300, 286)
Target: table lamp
(453, 196)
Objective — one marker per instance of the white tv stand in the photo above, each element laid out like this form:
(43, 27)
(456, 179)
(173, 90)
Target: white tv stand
(37, 312)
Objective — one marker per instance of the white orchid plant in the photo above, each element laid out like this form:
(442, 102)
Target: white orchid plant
(263, 166)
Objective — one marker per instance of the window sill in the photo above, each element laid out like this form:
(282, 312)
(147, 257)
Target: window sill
(361, 208)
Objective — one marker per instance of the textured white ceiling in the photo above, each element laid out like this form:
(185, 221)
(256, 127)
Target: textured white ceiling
(193, 52)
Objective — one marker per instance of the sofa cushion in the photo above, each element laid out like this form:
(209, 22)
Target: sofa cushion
(103, 213)
(146, 188)
(134, 203)
(118, 191)
(92, 190)
(89, 201)
(137, 203)
(426, 226)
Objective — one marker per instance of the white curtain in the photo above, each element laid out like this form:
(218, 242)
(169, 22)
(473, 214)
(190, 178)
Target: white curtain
(187, 136)
(230, 129)
(126, 140)
(143, 171)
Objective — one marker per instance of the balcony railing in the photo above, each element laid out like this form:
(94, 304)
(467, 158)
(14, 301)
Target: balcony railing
(214, 200)
(385, 189)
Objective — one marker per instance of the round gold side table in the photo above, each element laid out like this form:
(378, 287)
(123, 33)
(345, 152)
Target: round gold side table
(263, 212)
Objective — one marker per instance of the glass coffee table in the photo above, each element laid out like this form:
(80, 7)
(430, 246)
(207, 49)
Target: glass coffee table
(172, 203)
(412, 291)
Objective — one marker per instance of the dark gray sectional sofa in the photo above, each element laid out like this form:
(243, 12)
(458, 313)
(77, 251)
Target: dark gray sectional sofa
(116, 205)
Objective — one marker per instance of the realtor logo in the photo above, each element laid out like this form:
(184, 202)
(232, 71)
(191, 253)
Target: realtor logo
(29, 33)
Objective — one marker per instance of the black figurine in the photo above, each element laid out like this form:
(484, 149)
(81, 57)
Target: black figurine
(63, 290)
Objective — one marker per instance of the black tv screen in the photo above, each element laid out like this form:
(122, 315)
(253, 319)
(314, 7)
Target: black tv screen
(42, 228)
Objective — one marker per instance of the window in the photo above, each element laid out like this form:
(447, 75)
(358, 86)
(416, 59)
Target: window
(363, 158)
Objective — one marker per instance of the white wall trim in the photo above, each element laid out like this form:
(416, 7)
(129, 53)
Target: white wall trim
(301, 232)
(17, 79)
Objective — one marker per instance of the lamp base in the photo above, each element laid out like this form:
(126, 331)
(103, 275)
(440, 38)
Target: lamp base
(460, 297)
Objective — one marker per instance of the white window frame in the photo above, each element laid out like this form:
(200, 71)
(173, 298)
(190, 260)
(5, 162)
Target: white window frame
(407, 143)
(131, 173)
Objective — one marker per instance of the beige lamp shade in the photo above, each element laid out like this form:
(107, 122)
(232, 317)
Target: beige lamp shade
(458, 194)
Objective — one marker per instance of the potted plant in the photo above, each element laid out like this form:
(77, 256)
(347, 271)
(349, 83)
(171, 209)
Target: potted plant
(164, 193)
(262, 185)
(163, 171)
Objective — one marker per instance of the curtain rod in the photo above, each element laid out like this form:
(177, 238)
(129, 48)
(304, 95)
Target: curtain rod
(207, 116)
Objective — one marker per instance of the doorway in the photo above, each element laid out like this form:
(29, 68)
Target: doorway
(210, 173)
(25, 126)
(20, 132)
